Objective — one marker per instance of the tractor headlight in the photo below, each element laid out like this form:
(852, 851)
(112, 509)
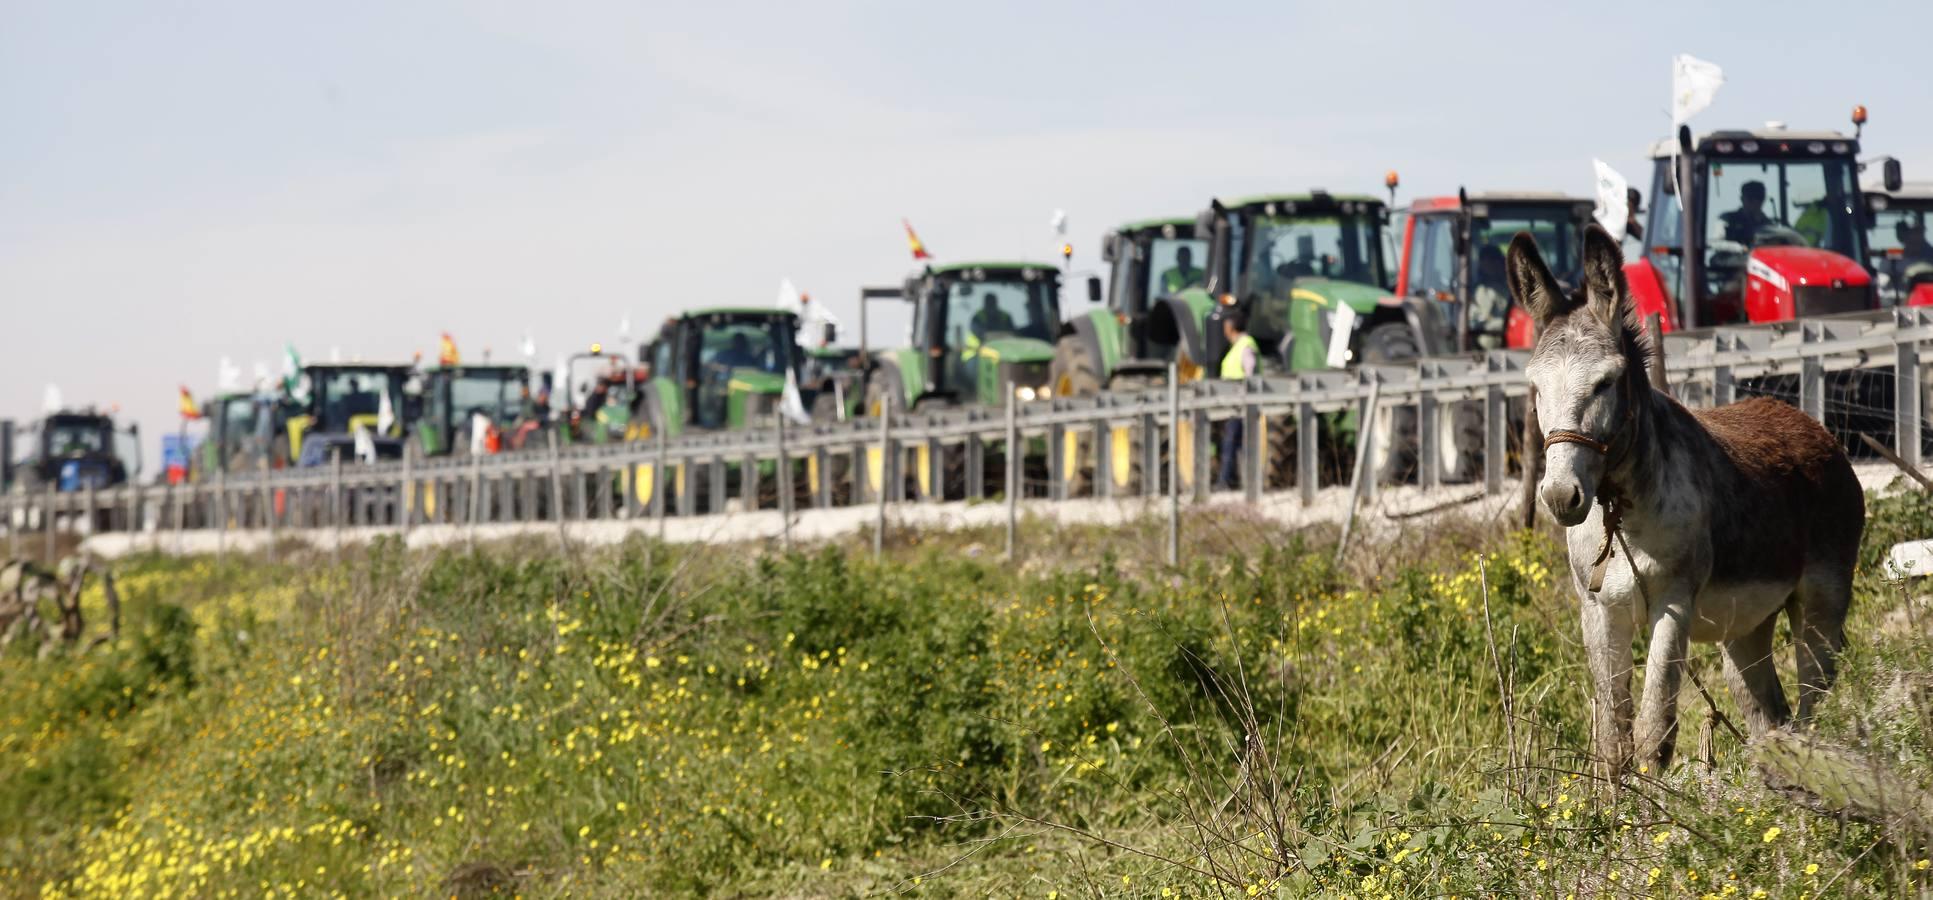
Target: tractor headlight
(1046, 392)
(1026, 394)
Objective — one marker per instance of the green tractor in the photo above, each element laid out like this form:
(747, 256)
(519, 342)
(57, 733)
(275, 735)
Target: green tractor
(453, 396)
(1307, 270)
(1150, 263)
(982, 331)
(334, 400)
(240, 428)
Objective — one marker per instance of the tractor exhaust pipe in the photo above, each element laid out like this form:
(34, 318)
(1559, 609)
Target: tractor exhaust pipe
(1692, 262)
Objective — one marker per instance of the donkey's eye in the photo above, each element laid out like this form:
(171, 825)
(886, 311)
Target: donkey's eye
(1604, 384)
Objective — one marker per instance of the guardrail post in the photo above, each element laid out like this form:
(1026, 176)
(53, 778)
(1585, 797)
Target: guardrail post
(718, 485)
(405, 491)
(784, 487)
(269, 523)
(1724, 386)
(557, 494)
(1014, 456)
(662, 484)
(976, 467)
(476, 496)
(1811, 375)
(1308, 474)
(1103, 481)
(1496, 427)
(16, 517)
(180, 504)
(87, 515)
(47, 517)
(1204, 455)
(1057, 462)
(1148, 444)
(1252, 439)
(935, 470)
(221, 510)
(335, 504)
(1174, 465)
(1906, 401)
(1429, 475)
(886, 473)
(748, 482)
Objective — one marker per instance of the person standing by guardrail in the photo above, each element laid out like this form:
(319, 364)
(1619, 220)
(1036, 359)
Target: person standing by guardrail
(1238, 364)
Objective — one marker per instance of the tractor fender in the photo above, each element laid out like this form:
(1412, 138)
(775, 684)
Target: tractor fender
(1178, 321)
(1648, 294)
(1101, 336)
(1435, 333)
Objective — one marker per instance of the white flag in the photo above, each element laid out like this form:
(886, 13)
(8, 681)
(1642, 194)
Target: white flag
(335, 353)
(1060, 222)
(479, 432)
(261, 375)
(1613, 199)
(365, 445)
(791, 405)
(228, 376)
(385, 411)
(624, 329)
(1694, 82)
(789, 296)
(529, 347)
(51, 398)
(560, 398)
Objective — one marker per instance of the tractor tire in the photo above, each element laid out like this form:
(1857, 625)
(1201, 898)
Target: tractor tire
(1282, 438)
(1395, 445)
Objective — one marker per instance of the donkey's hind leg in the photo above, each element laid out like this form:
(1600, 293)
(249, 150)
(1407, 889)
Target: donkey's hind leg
(1755, 679)
(1818, 614)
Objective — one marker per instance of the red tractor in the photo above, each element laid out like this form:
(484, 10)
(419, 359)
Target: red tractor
(1453, 254)
(1764, 225)
(1451, 284)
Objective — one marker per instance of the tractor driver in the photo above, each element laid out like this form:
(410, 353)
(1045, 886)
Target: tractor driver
(1183, 274)
(1911, 232)
(1743, 224)
(737, 355)
(991, 319)
(1490, 301)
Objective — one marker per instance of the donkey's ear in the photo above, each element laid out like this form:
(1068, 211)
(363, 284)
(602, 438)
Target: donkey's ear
(1605, 289)
(1531, 282)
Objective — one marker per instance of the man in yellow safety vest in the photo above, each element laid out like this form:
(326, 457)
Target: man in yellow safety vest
(1238, 364)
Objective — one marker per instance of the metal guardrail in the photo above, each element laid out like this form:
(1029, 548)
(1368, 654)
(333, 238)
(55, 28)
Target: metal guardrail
(930, 456)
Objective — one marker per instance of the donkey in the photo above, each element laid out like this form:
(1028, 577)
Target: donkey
(1698, 525)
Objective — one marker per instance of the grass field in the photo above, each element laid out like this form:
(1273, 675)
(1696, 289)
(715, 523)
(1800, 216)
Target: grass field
(647, 720)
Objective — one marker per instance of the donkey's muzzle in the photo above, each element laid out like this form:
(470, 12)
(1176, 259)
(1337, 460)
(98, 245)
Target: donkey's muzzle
(1565, 500)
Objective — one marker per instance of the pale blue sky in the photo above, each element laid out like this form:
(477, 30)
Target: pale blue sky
(188, 180)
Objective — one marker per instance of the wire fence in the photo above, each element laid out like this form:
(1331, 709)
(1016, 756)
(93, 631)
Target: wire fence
(1441, 421)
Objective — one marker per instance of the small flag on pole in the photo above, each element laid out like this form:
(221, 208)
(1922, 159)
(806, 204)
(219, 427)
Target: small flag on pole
(913, 242)
(446, 354)
(189, 409)
(1694, 82)
(1613, 199)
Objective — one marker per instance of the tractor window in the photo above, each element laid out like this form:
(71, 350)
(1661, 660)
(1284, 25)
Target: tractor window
(761, 345)
(72, 438)
(237, 420)
(980, 311)
(1432, 272)
(1777, 202)
(1284, 248)
(1664, 227)
(1901, 255)
(341, 396)
(497, 395)
(1551, 224)
(1175, 264)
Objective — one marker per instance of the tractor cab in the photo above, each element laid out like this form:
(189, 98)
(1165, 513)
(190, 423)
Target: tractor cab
(1299, 267)
(1150, 261)
(979, 331)
(1761, 225)
(1452, 265)
(602, 392)
(337, 399)
(1897, 249)
(721, 368)
(453, 396)
(240, 425)
(72, 450)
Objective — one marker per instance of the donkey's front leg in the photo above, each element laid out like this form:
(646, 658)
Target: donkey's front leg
(1607, 647)
(1664, 672)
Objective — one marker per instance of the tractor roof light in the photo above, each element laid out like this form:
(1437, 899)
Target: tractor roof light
(1390, 180)
(1859, 114)
(1228, 299)
(1815, 147)
(596, 348)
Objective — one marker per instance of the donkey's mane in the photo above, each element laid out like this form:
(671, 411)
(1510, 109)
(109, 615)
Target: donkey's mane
(1632, 340)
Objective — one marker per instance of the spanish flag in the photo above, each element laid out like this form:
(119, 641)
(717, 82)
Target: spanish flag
(189, 410)
(447, 354)
(913, 242)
